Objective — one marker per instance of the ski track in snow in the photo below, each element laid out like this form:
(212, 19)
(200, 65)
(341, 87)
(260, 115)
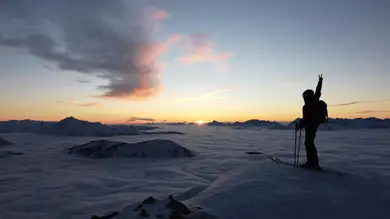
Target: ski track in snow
(45, 182)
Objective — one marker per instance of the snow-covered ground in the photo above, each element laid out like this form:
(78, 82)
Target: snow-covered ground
(46, 182)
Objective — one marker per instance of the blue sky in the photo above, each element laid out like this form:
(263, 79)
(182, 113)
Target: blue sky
(232, 60)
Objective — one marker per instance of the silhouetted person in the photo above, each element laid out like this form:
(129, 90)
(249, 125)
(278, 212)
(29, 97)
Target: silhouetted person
(312, 118)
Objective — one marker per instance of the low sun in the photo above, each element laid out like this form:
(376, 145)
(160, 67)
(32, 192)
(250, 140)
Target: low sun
(200, 122)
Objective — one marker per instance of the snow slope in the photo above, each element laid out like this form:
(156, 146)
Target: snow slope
(148, 149)
(222, 179)
(4, 142)
(271, 190)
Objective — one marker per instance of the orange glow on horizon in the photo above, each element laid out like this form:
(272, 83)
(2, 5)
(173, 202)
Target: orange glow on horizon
(200, 122)
(119, 114)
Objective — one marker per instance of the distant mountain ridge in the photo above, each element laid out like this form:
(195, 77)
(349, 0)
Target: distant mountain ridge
(250, 124)
(333, 123)
(71, 126)
(356, 123)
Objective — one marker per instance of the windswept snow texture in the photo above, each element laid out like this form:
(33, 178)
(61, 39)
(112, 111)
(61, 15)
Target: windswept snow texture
(284, 192)
(222, 179)
(152, 149)
(4, 142)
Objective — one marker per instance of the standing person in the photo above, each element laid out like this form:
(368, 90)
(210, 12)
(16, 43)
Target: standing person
(314, 112)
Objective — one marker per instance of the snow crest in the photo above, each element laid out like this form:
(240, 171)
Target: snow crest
(149, 149)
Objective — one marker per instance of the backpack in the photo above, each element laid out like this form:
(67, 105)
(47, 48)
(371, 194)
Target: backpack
(322, 112)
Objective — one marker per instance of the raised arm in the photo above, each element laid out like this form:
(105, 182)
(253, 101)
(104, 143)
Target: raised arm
(319, 87)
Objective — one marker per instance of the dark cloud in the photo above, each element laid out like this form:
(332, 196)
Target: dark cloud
(108, 39)
(373, 111)
(135, 119)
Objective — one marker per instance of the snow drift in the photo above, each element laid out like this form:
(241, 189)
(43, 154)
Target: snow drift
(4, 142)
(147, 149)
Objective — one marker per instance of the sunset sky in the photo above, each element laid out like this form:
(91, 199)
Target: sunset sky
(182, 60)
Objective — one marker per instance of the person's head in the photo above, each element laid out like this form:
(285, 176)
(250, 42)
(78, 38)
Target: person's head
(308, 95)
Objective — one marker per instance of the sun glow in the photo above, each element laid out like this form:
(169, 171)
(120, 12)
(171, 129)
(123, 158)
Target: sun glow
(200, 122)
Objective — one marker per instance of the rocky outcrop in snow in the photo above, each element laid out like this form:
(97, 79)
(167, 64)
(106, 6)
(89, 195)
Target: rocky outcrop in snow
(148, 149)
(169, 208)
(4, 142)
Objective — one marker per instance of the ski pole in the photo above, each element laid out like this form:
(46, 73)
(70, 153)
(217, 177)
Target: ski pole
(295, 145)
(299, 146)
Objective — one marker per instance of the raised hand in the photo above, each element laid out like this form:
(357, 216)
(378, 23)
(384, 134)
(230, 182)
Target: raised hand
(320, 77)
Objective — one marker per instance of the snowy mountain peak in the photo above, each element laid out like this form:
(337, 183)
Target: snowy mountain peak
(157, 148)
(73, 120)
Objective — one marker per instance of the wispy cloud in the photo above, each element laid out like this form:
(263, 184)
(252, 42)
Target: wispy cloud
(72, 102)
(201, 50)
(207, 96)
(359, 102)
(90, 104)
(373, 111)
(140, 119)
(83, 81)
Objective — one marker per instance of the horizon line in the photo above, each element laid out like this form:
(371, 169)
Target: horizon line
(176, 122)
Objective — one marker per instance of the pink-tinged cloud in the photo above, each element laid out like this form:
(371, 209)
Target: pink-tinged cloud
(158, 13)
(153, 18)
(201, 50)
(148, 83)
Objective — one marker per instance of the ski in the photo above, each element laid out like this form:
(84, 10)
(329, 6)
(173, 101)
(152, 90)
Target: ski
(321, 170)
